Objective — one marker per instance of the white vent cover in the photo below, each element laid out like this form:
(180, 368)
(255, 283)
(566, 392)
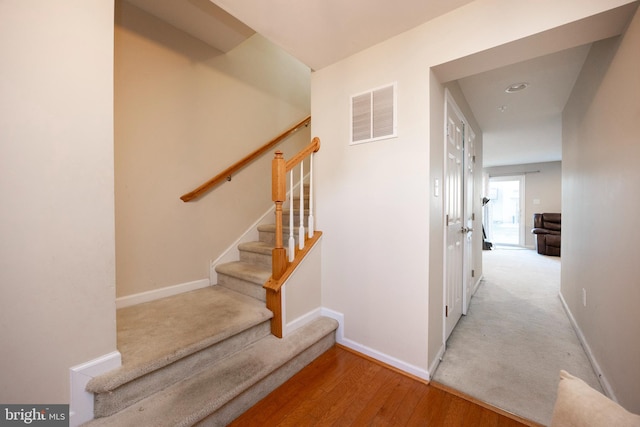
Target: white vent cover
(373, 115)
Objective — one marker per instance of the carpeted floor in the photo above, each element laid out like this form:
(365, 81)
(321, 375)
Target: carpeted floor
(516, 337)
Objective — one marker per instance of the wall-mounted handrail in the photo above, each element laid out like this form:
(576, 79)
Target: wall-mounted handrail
(283, 265)
(226, 174)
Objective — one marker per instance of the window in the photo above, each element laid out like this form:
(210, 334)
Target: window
(373, 115)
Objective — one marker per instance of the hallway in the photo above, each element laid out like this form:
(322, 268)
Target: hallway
(509, 348)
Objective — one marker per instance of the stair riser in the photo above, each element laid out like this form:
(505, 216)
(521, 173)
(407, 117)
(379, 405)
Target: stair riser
(109, 403)
(296, 204)
(236, 407)
(270, 237)
(217, 394)
(242, 286)
(263, 260)
(296, 219)
(267, 237)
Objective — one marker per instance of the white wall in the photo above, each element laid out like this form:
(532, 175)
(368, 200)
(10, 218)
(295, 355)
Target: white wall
(601, 199)
(371, 200)
(184, 112)
(57, 262)
(375, 203)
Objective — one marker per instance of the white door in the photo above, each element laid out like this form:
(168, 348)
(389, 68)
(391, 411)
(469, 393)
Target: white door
(454, 216)
(469, 217)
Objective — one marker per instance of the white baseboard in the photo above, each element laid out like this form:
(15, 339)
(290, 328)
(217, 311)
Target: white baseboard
(606, 386)
(302, 320)
(475, 287)
(384, 358)
(81, 401)
(251, 234)
(339, 317)
(155, 294)
(311, 316)
(436, 362)
(374, 354)
(230, 254)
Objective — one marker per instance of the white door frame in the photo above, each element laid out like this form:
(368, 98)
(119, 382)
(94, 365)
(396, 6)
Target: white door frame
(454, 270)
(469, 216)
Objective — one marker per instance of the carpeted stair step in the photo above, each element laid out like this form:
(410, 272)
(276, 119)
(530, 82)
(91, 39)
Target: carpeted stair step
(267, 233)
(296, 216)
(218, 394)
(296, 202)
(258, 253)
(296, 193)
(244, 277)
(166, 340)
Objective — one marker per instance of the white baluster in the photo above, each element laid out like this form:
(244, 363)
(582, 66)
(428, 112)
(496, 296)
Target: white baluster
(292, 241)
(301, 229)
(311, 224)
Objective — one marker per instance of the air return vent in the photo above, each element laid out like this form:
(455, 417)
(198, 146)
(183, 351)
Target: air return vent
(373, 115)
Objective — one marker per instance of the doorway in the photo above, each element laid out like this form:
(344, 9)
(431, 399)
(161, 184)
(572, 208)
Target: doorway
(504, 222)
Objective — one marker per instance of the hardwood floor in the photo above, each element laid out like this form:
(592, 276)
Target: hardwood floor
(341, 388)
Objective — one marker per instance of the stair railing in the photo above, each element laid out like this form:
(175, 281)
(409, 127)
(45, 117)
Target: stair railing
(226, 174)
(285, 260)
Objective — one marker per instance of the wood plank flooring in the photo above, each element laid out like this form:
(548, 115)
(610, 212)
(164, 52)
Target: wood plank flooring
(341, 388)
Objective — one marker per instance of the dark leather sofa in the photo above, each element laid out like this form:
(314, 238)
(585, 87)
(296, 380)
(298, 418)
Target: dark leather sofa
(547, 227)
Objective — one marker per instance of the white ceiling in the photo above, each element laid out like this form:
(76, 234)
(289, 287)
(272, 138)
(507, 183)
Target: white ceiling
(529, 130)
(321, 32)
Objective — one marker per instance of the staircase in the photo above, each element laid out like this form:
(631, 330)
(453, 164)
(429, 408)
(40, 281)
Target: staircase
(205, 356)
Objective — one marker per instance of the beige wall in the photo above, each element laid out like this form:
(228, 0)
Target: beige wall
(57, 262)
(543, 190)
(375, 201)
(183, 113)
(601, 184)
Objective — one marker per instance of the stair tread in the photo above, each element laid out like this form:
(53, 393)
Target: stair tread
(155, 334)
(271, 228)
(296, 207)
(194, 398)
(296, 211)
(248, 271)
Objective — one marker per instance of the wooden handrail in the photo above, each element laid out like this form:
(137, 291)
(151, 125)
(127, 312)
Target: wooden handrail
(281, 267)
(279, 169)
(273, 284)
(311, 148)
(226, 174)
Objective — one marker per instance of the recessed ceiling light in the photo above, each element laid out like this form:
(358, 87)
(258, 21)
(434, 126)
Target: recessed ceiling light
(517, 87)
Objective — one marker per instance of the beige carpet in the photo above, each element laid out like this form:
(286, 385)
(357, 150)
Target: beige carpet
(158, 333)
(516, 337)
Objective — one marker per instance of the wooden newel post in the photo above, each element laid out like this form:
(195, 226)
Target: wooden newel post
(282, 267)
(278, 195)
